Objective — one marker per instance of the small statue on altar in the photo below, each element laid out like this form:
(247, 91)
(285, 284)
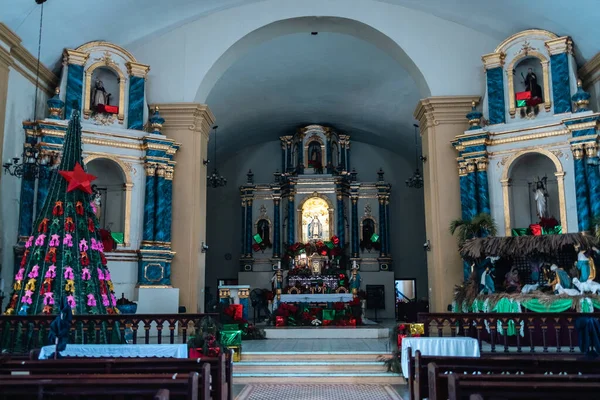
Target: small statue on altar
(541, 197)
(531, 85)
(96, 201)
(585, 263)
(512, 282)
(560, 278)
(315, 228)
(314, 157)
(99, 95)
(487, 281)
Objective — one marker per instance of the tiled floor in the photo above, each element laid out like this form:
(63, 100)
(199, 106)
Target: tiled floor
(317, 392)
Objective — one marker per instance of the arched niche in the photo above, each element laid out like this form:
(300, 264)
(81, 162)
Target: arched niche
(520, 64)
(518, 185)
(115, 186)
(314, 146)
(304, 212)
(335, 153)
(368, 226)
(109, 70)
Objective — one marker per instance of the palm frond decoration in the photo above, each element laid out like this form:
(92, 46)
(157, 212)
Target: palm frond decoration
(480, 225)
(596, 227)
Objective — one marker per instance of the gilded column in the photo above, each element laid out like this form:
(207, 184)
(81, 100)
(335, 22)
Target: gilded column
(441, 120)
(471, 190)
(74, 60)
(593, 180)
(276, 228)
(137, 82)
(483, 194)
(560, 50)
(355, 238)
(249, 228)
(149, 203)
(382, 227)
(291, 225)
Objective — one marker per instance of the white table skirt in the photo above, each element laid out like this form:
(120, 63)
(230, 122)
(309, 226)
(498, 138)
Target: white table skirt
(317, 298)
(119, 350)
(443, 346)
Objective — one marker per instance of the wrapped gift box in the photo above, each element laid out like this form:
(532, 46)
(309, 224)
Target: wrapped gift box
(328, 315)
(231, 338)
(279, 321)
(108, 109)
(417, 329)
(400, 337)
(522, 98)
(230, 327)
(237, 353)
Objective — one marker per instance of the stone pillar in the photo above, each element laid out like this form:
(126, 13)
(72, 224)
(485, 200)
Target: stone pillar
(593, 180)
(74, 60)
(249, 225)
(483, 191)
(137, 82)
(149, 202)
(162, 205)
(471, 189)
(355, 239)
(276, 228)
(493, 64)
(441, 119)
(382, 227)
(290, 224)
(560, 50)
(189, 124)
(581, 192)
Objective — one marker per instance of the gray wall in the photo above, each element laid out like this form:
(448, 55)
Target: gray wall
(406, 215)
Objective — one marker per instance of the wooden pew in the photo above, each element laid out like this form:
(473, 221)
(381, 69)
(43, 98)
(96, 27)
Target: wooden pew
(220, 368)
(162, 394)
(190, 386)
(439, 371)
(523, 386)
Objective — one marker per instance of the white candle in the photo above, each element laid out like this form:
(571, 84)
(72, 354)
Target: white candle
(279, 264)
(354, 264)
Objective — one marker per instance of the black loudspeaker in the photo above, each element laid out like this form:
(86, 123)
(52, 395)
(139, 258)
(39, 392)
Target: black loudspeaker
(375, 297)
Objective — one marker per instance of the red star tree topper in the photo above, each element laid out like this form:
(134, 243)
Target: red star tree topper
(78, 179)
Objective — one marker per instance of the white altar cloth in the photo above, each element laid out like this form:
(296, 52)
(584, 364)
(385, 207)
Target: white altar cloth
(438, 346)
(317, 298)
(119, 350)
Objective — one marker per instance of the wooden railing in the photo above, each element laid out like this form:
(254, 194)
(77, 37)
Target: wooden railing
(19, 334)
(552, 332)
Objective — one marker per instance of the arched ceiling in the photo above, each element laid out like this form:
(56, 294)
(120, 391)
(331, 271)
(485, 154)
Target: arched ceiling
(70, 23)
(301, 79)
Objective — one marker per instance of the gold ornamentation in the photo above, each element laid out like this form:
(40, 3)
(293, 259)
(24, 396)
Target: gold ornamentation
(293, 290)
(591, 149)
(559, 45)
(526, 48)
(169, 172)
(502, 47)
(90, 46)
(160, 171)
(137, 69)
(103, 119)
(462, 168)
(577, 150)
(559, 174)
(482, 164)
(243, 293)
(105, 61)
(557, 153)
(74, 57)
(224, 293)
(162, 272)
(150, 169)
(470, 166)
(341, 289)
(493, 60)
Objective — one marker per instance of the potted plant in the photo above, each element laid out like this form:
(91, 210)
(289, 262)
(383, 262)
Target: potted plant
(125, 306)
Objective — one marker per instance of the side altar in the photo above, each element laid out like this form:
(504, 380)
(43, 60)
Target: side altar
(304, 231)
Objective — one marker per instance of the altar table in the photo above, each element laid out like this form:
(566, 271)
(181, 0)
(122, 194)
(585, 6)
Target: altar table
(317, 298)
(119, 350)
(439, 346)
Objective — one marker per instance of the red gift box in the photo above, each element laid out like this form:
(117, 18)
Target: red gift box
(352, 322)
(400, 337)
(279, 321)
(238, 311)
(108, 109)
(536, 229)
(196, 353)
(326, 322)
(523, 95)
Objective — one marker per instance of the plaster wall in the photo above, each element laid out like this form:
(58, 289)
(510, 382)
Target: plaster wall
(407, 229)
(200, 63)
(21, 93)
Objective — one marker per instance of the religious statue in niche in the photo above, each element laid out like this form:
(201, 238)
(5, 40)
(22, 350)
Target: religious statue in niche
(100, 97)
(368, 230)
(541, 197)
(263, 229)
(315, 229)
(531, 96)
(532, 86)
(315, 159)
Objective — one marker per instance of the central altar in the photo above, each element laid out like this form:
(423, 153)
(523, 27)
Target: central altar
(303, 232)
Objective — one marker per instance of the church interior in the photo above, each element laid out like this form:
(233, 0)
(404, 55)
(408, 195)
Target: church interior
(340, 181)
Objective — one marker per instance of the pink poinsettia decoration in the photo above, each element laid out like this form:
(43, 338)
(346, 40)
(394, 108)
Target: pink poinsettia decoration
(68, 240)
(48, 298)
(91, 301)
(40, 240)
(54, 241)
(85, 274)
(69, 273)
(29, 242)
(83, 246)
(71, 301)
(105, 301)
(100, 274)
(20, 274)
(51, 273)
(35, 271)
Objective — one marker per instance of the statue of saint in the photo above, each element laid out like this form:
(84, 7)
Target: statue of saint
(100, 95)
(487, 284)
(314, 155)
(585, 264)
(532, 86)
(315, 228)
(561, 277)
(541, 195)
(512, 282)
(262, 228)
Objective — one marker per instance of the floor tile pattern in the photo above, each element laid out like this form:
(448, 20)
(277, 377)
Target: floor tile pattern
(318, 392)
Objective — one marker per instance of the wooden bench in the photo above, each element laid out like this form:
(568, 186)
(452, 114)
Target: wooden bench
(190, 386)
(523, 386)
(420, 384)
(220, 368)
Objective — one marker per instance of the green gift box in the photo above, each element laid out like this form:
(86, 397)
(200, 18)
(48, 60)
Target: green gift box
(557, 230)
(118, 237)
(231, 338)
(520, 232)
(230, 327)
(328, 315)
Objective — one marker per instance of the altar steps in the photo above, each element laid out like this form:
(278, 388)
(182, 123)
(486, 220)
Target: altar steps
(315, 367)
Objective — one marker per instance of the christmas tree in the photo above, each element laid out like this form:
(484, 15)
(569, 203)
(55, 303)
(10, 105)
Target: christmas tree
(64, 256)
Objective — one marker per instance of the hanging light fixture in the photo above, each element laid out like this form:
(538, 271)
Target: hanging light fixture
(34, 163)
(215, 179)
(416, 180)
